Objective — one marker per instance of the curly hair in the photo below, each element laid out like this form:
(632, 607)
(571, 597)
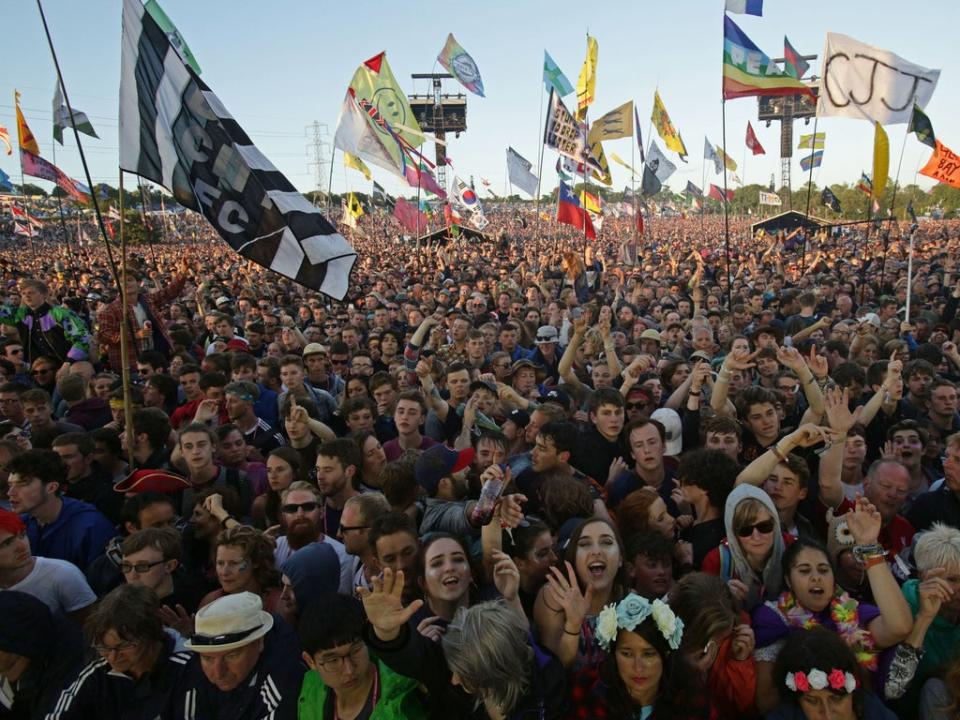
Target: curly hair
(633, 513)
(257, 549)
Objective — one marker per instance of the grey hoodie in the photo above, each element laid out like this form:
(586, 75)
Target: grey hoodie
(770, 584)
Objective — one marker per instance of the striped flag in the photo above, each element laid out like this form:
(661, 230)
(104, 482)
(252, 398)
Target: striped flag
(175, 131)
(812, 161)
(5, 138)
(62, 119)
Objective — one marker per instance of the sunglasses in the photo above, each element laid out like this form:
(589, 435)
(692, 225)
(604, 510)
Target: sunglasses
(41, 371)
(764, 528)
(635, 406)
(307, 507)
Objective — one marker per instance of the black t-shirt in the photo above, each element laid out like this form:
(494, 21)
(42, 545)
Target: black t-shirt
(704, 537)
(594, 453)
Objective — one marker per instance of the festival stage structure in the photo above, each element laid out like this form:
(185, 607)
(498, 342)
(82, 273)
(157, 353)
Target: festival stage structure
(785, 109)
(439, 113)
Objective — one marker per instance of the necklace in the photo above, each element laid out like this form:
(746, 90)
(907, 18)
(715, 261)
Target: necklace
(845, 615)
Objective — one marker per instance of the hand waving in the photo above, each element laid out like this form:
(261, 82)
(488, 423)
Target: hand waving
(384, 604)
(565, 592)
(864, 522)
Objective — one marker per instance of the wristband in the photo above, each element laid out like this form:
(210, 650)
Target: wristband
(778, 453)
(223, 523)
(695, 394)
(872, 560)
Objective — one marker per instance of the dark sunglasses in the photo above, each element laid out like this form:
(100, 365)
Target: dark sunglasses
(307, 507)
(635, 406)
(41, 371)
(764, 528)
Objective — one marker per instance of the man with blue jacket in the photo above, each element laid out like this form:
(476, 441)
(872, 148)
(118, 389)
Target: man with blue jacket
(58, 527)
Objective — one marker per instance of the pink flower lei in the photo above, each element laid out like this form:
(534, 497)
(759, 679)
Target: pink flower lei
(844, 613)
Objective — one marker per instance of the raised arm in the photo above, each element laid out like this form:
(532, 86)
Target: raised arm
(565, 368)
(791, 358)
(840, 419)
(740, 360)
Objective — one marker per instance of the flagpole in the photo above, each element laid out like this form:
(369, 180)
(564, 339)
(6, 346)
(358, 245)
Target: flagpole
(540, 162)
(803, 256)
(726, 213)
(633, 195)
(333, 154)
(63, 222)
(909, 277)
(83, 158)
(125, 338)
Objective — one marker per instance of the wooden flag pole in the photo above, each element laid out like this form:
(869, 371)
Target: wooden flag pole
(540, 162)
(726, 203)
(125, 338)
(803, 255)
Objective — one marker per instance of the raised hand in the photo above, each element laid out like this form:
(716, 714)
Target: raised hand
(811, 434)
(506, 576)
(817, 363)
(790, 357)
(934, 591)
(743, 642)
(739, 360)
(384, 604)
(207, 410)
(179, 619)
(565, 592)
(616, 467)
(864, 522)
(429, 628)
(836, 403)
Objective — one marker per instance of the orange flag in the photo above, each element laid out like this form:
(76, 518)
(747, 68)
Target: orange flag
(944, 166)
(27, 141)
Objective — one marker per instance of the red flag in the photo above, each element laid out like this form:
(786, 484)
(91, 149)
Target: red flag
(407, 213)
(570, 212)
(640, 223)
(424, 179)
(752, 141)
(717, 194)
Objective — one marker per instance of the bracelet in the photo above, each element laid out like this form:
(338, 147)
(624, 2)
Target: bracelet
(778, 453)
(872, 560)
(570, 633)
(695, 394)
(223, 523)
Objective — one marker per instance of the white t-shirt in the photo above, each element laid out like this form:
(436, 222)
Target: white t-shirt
(283, 552)
(59, 584)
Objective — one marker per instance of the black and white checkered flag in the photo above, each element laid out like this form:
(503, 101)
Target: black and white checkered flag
(175, 132)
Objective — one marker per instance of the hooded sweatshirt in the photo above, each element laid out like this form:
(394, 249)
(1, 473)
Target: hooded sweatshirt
(78, 535)
(768, 584)
(313, 571)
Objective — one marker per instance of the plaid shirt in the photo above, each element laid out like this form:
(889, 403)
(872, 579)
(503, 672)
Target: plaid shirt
(108, 334)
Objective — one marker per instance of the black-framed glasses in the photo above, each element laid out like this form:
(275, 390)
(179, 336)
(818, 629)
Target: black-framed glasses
(292, 508)
(348, 528)
(140, 568)
(122, 647)
(635, 406)
(41, 371)
(764, 528)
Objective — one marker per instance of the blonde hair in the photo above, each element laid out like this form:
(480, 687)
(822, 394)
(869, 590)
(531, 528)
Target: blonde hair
(937, 547)
(747, 511)
(303, 486)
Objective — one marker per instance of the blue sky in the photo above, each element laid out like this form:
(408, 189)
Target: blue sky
(280, 65)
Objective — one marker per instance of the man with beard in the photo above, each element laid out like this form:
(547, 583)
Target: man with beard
(442, 473)
(301, 519)
(337, 464)
(359, 514)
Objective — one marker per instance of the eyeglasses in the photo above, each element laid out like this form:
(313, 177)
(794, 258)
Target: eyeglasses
(41, 371)
(143, 371)
(15, 351)
(122, 647)
(764, 528)
(292, 508)
(140, 568)
(635, 406)
(336, 663)
(348, 528)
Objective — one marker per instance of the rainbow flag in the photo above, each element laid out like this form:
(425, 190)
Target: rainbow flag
(748, 71)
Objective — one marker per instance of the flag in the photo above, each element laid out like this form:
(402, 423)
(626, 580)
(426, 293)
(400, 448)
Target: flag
(663, 168)
(380, 197)
(620, 161)
(25, 138)
(352, 161)
(795, 65)
(518, 169)
(467, 204)
(943, 166)
(911, 212)
(769, 199)
(458, 63)
(865, 185)
(175, 131)
(725, 159)
(387, 113)
(752, 142)
(61, 118)
(563, 133)
(484, 182)
(599, 167)
(710, 154)
(616, 124)
(561, 173)
(748, 71)
(5, 183)
(5, 137)
(661, 121)
(717, 193)
(919, 124)
(587, 82)
(693, 190)
(869, 83)
(830, 200)
(650, 184)
(745, 7)
(420, 176)
(553, 77)
(36, 166)
(636, 125)
(357, 136)
(812, 141)
(570, 212)
(881, 159)
(25, 230)
(354, 207)
(408, 215)
(173, 35)
(589, 202)
(811, 161)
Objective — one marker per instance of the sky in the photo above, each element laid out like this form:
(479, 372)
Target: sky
(280, 66)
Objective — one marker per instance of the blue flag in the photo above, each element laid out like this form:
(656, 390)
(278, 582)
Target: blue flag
(812, 161)
(553, 76)
(5, 181)
(636, 124)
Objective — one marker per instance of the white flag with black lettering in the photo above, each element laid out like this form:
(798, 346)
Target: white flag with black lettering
(176, 132)
(518, 169)
(868, 83)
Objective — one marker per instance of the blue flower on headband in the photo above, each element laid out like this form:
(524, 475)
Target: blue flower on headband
(632, 611)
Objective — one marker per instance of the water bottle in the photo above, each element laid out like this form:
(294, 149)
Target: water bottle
(482, 512)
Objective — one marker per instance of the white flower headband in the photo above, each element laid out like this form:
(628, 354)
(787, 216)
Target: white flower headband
(819, 680)
(633, 610)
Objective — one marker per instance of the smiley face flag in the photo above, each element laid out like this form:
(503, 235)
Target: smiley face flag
(458, 63)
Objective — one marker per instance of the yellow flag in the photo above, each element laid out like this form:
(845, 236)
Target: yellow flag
(357, 164)
(603, 174)
(620, 161)
(27, 141)
(587, 82)
(661, 121)
(590, 202)
(617, 123)
(881, 160)
(354, 207)
(727, 160)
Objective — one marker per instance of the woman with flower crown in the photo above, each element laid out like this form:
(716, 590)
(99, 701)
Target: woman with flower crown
(813, 599)
(643, 674)
(820, 678)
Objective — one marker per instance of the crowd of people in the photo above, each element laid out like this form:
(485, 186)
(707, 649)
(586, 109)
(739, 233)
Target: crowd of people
(511, 477)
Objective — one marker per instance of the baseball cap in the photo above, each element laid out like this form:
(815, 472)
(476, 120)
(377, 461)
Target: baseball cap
(141, 481)
(556, 395)
(439, 462)
(221, 301)
(673, 430)
(650, 334)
